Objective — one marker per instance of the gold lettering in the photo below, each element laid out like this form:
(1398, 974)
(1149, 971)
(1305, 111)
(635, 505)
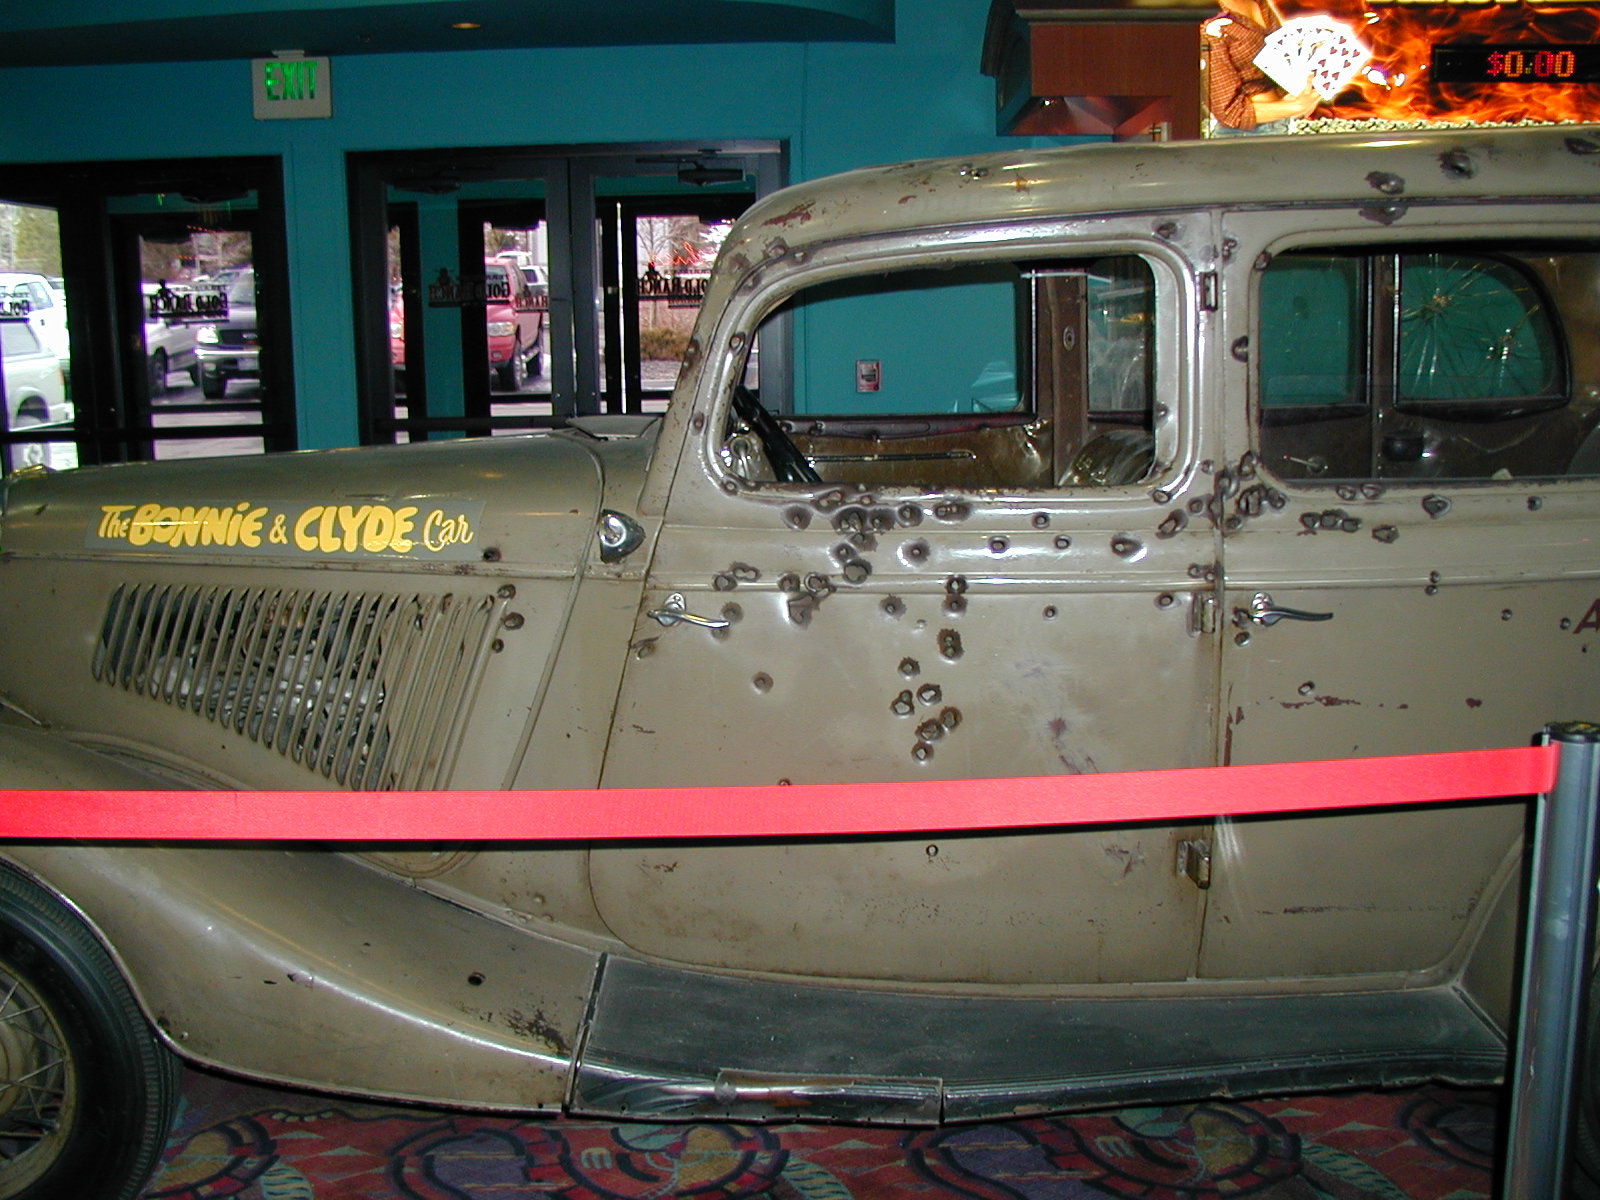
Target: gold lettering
(350, 520)
(302, 525)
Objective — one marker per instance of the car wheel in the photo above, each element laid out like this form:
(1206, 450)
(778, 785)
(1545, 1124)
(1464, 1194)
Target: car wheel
(87, 1093)
(213, 387)
(513, 374)
(156, 366)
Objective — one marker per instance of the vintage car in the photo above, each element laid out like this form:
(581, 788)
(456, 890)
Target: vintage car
(1051, 462)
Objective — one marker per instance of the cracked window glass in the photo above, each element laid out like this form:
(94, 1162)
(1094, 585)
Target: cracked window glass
(1430, 362)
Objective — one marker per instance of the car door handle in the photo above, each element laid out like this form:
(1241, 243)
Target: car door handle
(675, 610)
(1263, 611)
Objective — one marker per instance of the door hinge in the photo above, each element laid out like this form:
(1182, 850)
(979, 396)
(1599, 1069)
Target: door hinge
(1194, 861)
(1203, 613)
(1210, 300)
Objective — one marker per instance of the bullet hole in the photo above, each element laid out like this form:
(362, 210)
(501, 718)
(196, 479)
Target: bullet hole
(1041, 520)
(476, 979)
(1387, 534)
(723, 582)
(1172, 524)
(910, 668)
(1197, 505)
(492, 554)
(892, 606)
(856, 571)
(922, 752)
(1161, 496)
(908, 515)
(901, 705)
(1435, 505)
(915, 552)
(930, 693)
(789, 582)
(1505, 614)
(506, 591)
(645, 648)
(932, 851)
(497, 645)
(698, 422)
(829, 501)
(1166, 600)
(732, 613)
(512, 620)
(931, 730)
(761, 681)
(730, 486)
(952, 510)
(819, 585)
(1124, 546)
(1307, 688)
(950, 717)
(1063, 542)
(998, 545)
(1049, 612)
(1242, 638)
(744, 572)
(1565, 623)
(843, 553)
(1535, 503)
(796, 517)
(950, 644)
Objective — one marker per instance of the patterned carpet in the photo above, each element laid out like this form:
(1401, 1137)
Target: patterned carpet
(250, 1143)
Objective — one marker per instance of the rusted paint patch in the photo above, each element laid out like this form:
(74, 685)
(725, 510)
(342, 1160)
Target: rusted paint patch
(537, 1026)
(798, 215)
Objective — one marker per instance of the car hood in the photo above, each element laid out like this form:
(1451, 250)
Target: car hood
(527, 503)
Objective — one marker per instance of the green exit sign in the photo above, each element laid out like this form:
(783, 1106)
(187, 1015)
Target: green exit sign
(291, 86)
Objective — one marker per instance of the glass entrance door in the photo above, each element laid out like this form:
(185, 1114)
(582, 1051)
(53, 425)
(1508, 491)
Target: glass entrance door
(508, 289)
(161, 289)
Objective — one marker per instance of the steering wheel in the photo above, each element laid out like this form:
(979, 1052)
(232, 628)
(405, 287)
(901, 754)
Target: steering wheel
(788, 464)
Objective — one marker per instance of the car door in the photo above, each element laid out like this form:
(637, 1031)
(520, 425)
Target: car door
(1423, 395)
(995, 575)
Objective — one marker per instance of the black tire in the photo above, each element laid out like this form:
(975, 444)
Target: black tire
(511, 375)
(156, 368)
(92, 1119)
(213, 387)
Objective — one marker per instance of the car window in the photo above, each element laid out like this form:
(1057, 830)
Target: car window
(993, 374)
(1429, 362)
(17, 339)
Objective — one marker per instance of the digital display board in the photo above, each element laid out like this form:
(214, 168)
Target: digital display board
(1516, 62)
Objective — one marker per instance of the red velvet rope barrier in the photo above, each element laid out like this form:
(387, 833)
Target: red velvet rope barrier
(807, 810)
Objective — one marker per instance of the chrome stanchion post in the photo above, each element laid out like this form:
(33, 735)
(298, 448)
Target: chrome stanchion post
(1555, 969)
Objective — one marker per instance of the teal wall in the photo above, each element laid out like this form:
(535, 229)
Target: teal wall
(838, 105)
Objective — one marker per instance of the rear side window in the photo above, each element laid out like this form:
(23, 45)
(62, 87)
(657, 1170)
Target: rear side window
(1436, 362)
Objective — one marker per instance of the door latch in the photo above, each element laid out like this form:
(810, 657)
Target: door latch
(1263, 611)
(675, 611)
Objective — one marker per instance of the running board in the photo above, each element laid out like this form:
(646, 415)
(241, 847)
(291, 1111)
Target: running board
(671, 1044)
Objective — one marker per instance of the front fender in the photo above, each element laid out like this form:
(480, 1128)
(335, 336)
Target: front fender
(306, 967)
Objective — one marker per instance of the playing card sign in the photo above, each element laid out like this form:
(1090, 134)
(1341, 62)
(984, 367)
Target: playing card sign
(1313, 52)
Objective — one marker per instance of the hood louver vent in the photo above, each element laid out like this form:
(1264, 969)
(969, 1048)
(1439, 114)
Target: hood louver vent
(367, 689)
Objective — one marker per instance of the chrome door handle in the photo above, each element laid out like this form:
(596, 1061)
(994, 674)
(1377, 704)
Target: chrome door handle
(675, 610)
(1263, 611)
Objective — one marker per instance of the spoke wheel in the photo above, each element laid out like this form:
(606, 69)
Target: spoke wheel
(87, 1093)
(38, 1094)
